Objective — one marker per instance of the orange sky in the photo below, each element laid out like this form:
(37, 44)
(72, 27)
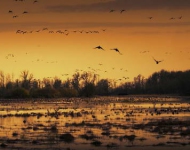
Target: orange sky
(52, 54)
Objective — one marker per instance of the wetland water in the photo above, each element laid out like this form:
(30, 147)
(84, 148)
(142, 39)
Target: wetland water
(130, 122)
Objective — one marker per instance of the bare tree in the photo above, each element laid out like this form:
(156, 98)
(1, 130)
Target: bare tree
(26, 79)
(2, 79)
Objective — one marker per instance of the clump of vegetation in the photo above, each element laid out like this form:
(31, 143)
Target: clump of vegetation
(53, 128)
(15, 134)
(130, 137)
(185, 132)
(88, 136)
(3, 145)
(96, 143)
(67, 137)
(112, 145)
(17, 93)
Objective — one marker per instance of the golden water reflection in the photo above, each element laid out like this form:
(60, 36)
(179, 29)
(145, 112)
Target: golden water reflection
(106, 122)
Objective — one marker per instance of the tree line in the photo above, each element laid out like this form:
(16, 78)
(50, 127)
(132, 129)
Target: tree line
(88, 84)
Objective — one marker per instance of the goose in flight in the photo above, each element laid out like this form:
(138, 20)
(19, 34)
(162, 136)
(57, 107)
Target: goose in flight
(35, 1)
(115, 49)
(10, 11)
(157, 61)
(122, 11)
(149, 17)
(45, 29)
(99, 47)
(25, 12)
(18, 31)
(15, 16)
(112, 10)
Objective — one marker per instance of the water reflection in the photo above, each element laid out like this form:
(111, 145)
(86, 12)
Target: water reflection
(106, 122)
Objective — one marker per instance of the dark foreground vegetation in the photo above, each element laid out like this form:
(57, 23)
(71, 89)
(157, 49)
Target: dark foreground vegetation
(88, 84)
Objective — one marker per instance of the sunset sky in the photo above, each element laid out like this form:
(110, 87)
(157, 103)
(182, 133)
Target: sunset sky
(62, 48)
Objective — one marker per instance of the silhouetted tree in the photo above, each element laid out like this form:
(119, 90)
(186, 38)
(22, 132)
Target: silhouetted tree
(87, 84)
(139, 84)
(67, 83)
(57, 84)
(76, 81)
(26, 78)
(9, 85)
(2, 79)
(18, 93)
(102, 87)
(88, 90)
(46, 83)
(35, 84)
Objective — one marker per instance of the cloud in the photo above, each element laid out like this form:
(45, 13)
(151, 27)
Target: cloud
(122, 4)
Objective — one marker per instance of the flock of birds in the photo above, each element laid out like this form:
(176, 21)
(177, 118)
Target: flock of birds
(24, 12)
(67, 32)
(115, 49)
(94, 70)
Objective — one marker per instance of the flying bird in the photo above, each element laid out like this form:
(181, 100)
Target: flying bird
(18, 31)
(157, 61)
(25, 12)
(115, 49)
(35, 1)
(15, 16)
(180, 17)
(99, 47)
(149, 17)
(112, 10)
(10, 11)
(122, 11)
(45, 29)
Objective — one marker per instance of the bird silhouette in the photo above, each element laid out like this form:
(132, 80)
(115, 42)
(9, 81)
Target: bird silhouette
(35, 1)
(157, 61)
(112, 10)
(99, 47)
(122, 11)
(45, 29)
(10, 11)
(149, 17)
(180, 17)
(15, 16)
(18, 31)
(172, 18)
(25, 12)
(115, 49)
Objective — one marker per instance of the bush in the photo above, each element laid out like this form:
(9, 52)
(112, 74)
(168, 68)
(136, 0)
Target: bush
(88, 90)
(66, 92)
(18, 93)
(47, 92)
